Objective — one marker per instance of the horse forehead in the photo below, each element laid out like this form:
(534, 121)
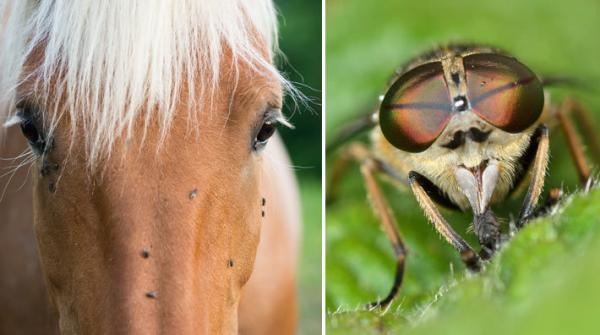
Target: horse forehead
(248, 92)
(260, 90)
(251, 83)
(235, 78)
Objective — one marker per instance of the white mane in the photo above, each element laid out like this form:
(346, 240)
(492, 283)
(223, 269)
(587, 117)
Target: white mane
(124, 59)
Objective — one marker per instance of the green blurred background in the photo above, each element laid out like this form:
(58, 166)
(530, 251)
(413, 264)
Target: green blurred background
(300, 42)
(366, 41)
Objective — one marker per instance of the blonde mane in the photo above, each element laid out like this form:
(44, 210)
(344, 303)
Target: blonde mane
(122, 60)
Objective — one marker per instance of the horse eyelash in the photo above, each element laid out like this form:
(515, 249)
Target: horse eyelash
(282, 120)
(278, 117)
(13, 120)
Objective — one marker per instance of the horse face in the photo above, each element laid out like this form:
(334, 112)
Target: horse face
(163, 235)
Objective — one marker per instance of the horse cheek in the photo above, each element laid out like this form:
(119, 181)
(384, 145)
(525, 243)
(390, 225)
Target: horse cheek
(249, 235)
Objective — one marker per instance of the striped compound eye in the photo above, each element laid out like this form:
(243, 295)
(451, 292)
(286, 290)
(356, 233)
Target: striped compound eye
(416, 109)
(500, 90)
(503, 91)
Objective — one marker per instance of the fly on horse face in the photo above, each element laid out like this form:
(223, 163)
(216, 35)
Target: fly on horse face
(158, 206)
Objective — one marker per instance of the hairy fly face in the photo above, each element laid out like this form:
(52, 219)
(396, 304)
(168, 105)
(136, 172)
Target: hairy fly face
(464, 119)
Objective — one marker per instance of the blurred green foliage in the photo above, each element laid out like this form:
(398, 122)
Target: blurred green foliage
(366, 42)
(310, 276)
(544, 281)
(300, 43)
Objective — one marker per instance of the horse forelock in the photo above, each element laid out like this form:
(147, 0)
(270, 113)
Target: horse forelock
(115, 61)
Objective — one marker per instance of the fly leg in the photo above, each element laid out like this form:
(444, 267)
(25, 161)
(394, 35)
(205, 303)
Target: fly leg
(340, 164)
(538, 172)
(553, 197)
(587, 124)
(582, 115)
(369, 166)
(468, 255)
(339, 168)
(583, 118)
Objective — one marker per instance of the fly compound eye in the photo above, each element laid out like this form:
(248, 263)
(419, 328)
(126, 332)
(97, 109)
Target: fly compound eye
(503, 91)
(416, 108)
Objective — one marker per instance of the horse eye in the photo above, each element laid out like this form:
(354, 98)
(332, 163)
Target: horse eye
(30, 129)
(266, 131)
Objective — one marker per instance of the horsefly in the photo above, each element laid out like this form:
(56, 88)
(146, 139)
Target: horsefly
(463, 127)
